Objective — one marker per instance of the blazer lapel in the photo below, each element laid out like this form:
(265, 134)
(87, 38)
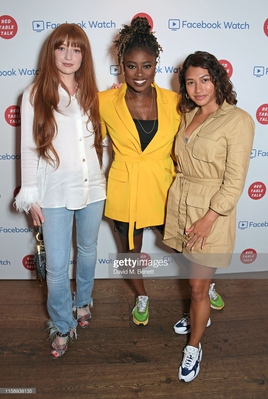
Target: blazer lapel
(163, 112)
(123, 113)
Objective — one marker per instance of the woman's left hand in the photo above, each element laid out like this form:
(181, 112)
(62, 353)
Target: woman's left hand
(200, 230)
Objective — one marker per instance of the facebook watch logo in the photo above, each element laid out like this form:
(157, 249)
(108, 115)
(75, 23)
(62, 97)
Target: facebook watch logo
(243, 225)
(115, 70)
(256, 153)
(258, 71)
(174, 24)
(253, 153)
(38, 26)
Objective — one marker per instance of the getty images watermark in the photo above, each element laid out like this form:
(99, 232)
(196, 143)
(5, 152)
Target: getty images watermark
(248, 264)
(139, 265)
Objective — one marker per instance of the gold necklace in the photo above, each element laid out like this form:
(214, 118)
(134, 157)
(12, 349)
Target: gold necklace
(149, 117)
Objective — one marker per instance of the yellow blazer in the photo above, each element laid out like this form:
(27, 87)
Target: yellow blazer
(138, 181)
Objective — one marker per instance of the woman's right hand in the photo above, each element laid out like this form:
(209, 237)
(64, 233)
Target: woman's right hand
(200, 230)
(37, 215)
(116, 85)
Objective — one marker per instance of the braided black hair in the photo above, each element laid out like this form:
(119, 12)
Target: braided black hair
(137, 35)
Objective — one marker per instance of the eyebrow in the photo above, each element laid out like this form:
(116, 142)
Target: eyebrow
(201, 77)
(144, 62)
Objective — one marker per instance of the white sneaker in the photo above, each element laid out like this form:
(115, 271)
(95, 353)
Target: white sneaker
(183, 325)
(190, 364)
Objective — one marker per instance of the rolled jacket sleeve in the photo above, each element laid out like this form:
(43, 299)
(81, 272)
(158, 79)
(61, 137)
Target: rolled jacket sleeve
(239, 145)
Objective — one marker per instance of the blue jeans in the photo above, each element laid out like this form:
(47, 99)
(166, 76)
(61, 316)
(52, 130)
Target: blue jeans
(57, 233)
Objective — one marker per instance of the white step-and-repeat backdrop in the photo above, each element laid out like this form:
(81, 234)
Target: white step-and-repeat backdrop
(236, 32)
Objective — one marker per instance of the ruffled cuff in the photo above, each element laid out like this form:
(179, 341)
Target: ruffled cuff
(27, 197)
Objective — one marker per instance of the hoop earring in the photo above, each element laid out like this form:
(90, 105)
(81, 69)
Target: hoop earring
(186, 95)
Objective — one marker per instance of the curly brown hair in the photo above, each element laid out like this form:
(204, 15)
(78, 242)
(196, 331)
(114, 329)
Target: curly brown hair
(223, 86)
(137, 35)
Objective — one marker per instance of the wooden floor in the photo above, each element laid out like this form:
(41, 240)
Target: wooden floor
(116, 359)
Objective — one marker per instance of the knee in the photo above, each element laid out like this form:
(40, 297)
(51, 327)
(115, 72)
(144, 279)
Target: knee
(87, 248)
(198, 291)
(57, 274)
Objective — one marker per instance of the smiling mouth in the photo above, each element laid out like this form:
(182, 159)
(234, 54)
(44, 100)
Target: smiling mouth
(139, 82)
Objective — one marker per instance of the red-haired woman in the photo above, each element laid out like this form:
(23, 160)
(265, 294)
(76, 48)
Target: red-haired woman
(62, 179)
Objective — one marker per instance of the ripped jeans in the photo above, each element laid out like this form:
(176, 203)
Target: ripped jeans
(57, 233)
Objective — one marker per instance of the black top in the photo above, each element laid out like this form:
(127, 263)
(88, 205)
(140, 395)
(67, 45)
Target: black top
(149, 126)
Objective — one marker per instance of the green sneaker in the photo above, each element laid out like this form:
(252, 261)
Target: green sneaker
(140, 313)
(216, 301)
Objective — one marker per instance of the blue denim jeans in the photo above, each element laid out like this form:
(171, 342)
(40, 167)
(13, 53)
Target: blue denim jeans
(57, 233)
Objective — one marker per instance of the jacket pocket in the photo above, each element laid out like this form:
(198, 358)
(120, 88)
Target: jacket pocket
(118, 172)
(204, 148)
(196, 207)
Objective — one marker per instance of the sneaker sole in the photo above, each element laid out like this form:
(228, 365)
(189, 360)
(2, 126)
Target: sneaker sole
(181, 332)
(138, 322)
(184, 379)
(217, 307)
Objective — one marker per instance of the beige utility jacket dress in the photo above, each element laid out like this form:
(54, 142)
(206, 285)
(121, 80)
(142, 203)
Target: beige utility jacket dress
(211, 172)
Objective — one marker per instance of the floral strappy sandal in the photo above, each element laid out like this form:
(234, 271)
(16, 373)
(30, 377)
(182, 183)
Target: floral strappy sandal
(83, 320)
(58, 349)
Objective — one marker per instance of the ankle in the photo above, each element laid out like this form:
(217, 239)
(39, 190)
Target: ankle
(82, 311)
(61, 340)
(195, 344)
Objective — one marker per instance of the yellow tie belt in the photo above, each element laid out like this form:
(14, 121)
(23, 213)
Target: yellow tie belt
(135, 161)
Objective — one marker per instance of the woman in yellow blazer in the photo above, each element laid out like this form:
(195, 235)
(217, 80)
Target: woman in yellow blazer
(212, 151)
(141, 120)
(138, 180)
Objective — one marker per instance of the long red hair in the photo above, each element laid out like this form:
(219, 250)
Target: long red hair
(45, 96)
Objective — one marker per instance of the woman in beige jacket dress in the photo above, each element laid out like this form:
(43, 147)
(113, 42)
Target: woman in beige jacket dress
(212, 151)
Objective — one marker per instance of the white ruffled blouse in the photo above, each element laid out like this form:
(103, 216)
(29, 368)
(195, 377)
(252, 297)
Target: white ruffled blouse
(78, 181)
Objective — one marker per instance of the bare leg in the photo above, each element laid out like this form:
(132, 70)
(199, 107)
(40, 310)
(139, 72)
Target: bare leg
(200, 280)
(137, 284)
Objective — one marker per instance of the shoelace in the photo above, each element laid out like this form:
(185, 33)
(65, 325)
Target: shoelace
(142, 304)
(212, 292)
(186, 320)
(190, 359)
